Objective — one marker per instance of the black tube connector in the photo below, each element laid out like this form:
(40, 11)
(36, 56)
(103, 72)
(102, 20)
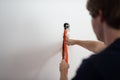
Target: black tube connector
(66, 26)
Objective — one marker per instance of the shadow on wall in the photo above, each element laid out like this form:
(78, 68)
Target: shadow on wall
(25, 64)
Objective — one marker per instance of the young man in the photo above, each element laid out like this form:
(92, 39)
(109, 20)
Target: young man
(106, 24)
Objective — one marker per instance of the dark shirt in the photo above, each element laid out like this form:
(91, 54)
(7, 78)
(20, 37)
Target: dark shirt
(102, 66)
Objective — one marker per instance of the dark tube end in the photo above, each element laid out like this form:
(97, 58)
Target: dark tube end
(66, 25)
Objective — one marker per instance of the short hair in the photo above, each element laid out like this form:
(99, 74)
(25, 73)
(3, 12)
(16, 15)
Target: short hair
(110, 11)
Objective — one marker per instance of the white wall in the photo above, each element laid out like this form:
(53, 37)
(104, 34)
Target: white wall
(31, 34)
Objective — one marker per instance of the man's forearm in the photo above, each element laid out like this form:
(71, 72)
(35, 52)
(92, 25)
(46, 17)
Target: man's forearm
(94, 46)
(63, 76)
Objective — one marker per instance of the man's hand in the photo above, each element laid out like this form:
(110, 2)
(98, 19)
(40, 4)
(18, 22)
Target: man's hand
(64, 66)
(70, 41)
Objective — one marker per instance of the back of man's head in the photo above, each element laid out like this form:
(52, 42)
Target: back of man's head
(110, 11)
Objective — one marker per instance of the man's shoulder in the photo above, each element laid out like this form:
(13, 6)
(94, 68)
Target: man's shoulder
(108, 58)
(111, 52)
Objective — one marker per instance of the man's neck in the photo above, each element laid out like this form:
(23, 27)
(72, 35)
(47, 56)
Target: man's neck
(110, 34)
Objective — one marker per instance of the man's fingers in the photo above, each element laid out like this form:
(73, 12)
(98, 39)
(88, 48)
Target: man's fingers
(68, 41)
(64, 65)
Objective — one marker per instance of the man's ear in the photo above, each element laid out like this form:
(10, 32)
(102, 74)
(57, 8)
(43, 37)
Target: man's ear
(101, 16)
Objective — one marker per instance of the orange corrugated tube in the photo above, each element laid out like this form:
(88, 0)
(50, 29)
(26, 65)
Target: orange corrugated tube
(65, 46)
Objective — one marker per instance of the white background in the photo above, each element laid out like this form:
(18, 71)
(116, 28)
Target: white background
(31, 33)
